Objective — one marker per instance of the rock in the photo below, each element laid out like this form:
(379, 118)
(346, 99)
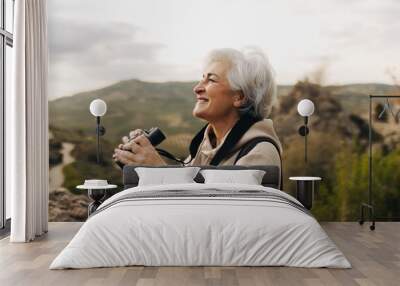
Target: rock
(329, 116)
(65, 206)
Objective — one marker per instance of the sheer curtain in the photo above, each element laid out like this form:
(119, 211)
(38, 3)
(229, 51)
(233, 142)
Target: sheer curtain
(27, 123)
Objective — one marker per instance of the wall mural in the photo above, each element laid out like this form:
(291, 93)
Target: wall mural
(144, 60)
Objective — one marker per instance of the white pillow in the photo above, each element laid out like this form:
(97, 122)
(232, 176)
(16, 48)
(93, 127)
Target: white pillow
(249, 177)
(163, 176)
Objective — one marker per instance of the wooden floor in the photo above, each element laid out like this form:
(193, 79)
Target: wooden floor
(375, 256)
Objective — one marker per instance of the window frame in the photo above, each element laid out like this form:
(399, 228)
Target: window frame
(6, 39)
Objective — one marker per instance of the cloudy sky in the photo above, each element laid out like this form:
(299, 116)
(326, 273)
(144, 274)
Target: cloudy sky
(94, 43)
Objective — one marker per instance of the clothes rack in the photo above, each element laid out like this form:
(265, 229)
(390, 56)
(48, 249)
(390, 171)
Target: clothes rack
(369, 206)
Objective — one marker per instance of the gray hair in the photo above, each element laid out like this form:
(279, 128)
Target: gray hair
(251, 73)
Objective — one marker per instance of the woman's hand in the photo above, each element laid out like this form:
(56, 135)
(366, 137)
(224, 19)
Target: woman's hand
(138, 151)
(132, 135)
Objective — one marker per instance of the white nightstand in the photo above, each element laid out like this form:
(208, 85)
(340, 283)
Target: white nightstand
(96, 192)
(306, 186)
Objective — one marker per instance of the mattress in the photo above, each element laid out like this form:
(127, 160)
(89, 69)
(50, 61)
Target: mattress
(201, 225)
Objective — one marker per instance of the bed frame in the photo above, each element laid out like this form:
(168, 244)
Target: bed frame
(270, 179)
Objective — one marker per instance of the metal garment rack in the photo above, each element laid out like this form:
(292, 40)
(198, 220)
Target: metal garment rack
(369, 206)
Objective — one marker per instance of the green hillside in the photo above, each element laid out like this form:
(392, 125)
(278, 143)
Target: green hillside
(355, 97)
(131, 104)
(363, 89)
(136, 104)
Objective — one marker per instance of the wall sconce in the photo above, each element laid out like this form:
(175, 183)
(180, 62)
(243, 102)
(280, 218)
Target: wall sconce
(305, 108)
(98, 108)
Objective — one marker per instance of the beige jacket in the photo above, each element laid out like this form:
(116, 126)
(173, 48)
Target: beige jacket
(264, 153)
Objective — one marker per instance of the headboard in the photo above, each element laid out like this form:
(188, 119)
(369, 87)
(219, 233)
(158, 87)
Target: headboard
(270, 179)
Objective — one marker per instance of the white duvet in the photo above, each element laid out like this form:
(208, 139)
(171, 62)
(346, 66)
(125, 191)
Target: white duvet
(200, 231)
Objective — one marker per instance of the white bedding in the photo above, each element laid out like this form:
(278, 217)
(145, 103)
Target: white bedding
(182, 231)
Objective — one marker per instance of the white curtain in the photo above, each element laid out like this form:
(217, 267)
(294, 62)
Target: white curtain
(27, 123)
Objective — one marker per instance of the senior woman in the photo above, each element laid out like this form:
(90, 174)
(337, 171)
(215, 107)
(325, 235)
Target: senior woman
(235, 97)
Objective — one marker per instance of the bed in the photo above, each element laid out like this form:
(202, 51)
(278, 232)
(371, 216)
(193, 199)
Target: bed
(201, 224)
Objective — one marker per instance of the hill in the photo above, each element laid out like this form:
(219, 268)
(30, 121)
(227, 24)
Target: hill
(136, 104)
(131, 104)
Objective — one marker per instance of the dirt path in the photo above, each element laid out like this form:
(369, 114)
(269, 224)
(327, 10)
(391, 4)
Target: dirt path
(56, 174)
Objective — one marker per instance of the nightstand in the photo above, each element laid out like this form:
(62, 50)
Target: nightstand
(97, 190)
(306, 186)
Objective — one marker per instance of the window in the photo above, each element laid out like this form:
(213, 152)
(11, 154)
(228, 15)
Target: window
(6, 43)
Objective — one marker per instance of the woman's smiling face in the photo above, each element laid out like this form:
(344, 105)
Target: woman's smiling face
(215, 98)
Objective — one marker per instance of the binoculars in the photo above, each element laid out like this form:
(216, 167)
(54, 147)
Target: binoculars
(155, 137)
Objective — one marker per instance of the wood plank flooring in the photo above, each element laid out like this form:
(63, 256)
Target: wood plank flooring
(374, 255)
